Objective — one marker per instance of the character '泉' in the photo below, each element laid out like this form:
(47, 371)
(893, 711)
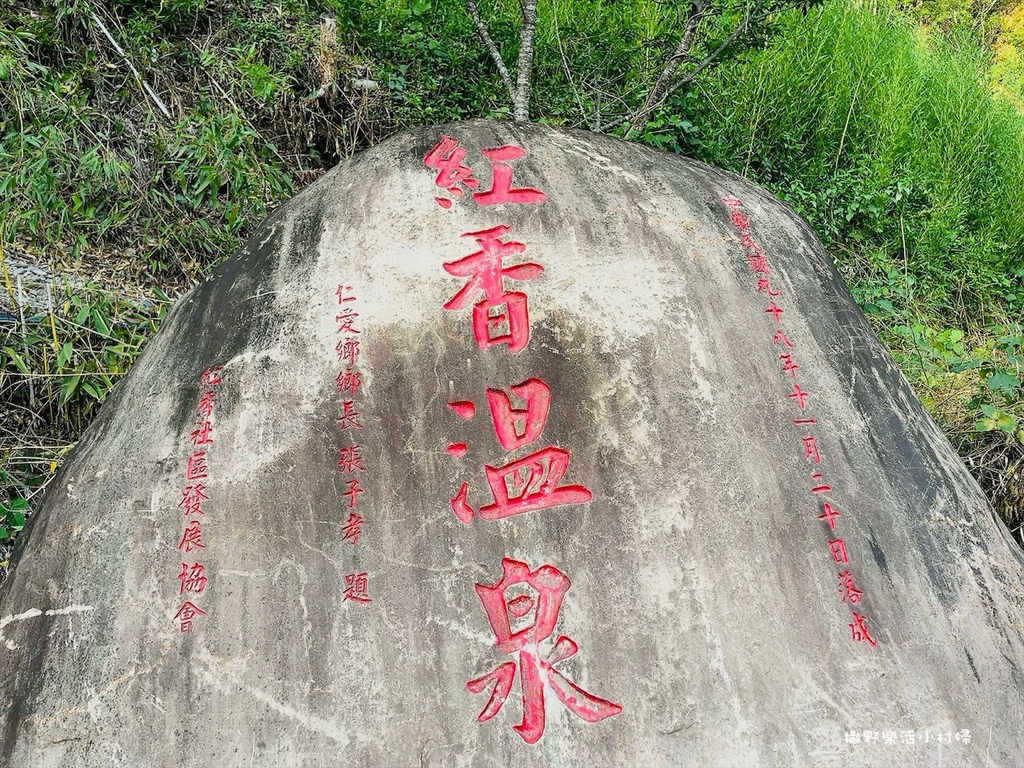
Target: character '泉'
(520, 624)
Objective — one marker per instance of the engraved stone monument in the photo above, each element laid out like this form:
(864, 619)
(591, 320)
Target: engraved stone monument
(509, 445)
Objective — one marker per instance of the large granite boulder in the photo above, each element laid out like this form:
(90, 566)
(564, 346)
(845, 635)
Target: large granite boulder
(505, 445)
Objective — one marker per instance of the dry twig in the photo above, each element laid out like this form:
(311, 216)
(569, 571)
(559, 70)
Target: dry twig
(145, 86)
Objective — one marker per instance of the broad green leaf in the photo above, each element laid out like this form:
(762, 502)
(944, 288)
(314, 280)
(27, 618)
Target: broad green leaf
(1000, 380)
(965, 366)
(17, 360)
(1006, 422)
(100, 323)
(92, 390)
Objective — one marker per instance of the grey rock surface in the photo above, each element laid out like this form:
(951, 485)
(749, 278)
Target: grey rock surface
(648, 492)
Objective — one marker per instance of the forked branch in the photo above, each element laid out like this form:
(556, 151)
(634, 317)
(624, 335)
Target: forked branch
(668, 81)
(519, 92)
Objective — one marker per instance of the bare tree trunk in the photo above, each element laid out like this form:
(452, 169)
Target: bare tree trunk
(665, 86)
(518, 92)
(521, 100)
(660, 89)
(481, 30)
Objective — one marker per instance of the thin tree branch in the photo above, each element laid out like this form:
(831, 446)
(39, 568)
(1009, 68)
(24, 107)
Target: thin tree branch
(568, 74)
(665, 86)
(481, 30)
(524, 68)
(711, 57)
(660, 88)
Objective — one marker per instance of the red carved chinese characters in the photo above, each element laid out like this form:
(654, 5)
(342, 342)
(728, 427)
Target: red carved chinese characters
(500, 317)
(346, 319)
(780, 338)
(352, 491)
(192, 577)
(788, 366)
(192, 499)
(352, 529)
(829, 515)
(785, 350)
(530, 484)
(527, 484)
(811, 449)
(446, 157)
(520, 625)
(453, 175)
(464, 409)
(518, 427)
(859, 630)
(350, 460)
(348, 350)
(799, 396)
(206, 403)
(211, 376)
(201, 435)
(191, 537)
(357, 588)
(838, 549)
(195, 466)
(518, 414)
(821, 487)
(847, 591)
(349, 416)
(501, 179)
(186, 614)
(348, 382)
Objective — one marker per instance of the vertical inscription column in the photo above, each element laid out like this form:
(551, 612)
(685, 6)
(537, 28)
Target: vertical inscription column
(500, 318)
(807, 424)
(192, 577)
(348, 382)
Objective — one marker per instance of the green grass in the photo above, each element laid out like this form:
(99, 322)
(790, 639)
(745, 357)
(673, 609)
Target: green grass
(889, 142)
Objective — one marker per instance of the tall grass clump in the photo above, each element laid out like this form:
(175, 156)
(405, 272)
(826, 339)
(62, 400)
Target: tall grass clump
(888, 141)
